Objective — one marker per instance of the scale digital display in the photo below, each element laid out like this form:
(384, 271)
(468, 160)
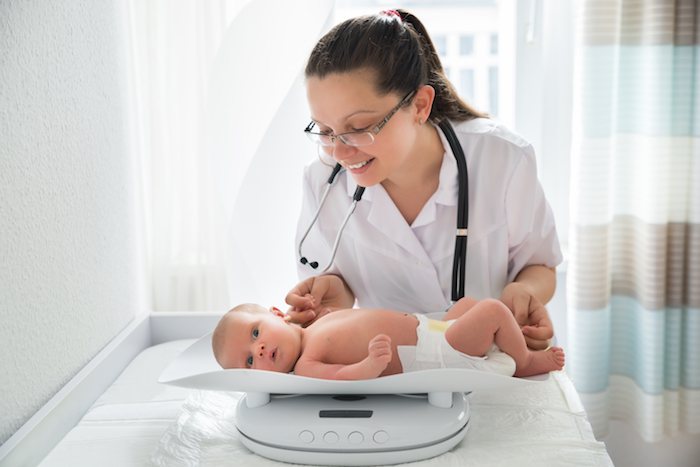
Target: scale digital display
(345, 413)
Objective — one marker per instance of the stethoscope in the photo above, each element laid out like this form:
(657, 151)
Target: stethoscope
(460, 257)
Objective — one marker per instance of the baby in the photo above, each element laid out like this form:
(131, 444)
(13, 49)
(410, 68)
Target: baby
(358, 344)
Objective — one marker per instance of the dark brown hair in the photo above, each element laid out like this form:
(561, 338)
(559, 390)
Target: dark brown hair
(398, 51)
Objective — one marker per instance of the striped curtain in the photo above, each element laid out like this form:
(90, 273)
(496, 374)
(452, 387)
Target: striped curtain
(633, 285)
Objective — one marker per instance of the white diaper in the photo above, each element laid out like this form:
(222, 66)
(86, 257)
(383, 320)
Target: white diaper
(433, 351)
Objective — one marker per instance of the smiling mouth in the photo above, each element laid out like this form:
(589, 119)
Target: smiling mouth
(360, 165)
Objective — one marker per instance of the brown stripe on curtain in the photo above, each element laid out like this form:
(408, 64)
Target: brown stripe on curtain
(656, 264)
(638, 22)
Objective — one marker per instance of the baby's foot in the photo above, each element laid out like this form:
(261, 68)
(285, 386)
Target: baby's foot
(543, 361)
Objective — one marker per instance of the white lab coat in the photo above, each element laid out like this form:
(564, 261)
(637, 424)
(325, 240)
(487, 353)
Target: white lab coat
(389, 264)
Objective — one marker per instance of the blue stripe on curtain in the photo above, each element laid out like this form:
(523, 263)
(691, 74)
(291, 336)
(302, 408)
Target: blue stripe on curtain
(615, 90)
(638, 348)
(690, 377)
(658, 349)
(588, 356)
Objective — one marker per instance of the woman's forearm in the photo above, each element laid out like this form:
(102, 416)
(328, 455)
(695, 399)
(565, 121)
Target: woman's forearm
(540, 281)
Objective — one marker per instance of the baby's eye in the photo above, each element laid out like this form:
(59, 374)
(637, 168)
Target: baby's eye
(249, 362)
(255, 333)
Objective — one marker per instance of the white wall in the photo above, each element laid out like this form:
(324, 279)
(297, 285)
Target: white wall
(69, 274)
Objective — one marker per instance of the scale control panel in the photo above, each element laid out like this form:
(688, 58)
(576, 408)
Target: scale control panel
(351, 422)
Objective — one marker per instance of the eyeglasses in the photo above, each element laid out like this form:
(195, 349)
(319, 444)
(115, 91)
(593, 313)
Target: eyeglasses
(355, 138)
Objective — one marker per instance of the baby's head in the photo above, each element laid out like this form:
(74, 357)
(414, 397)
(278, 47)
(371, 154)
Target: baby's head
(249, 336)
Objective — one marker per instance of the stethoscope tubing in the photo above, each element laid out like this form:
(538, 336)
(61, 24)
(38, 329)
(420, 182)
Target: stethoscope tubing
(460, 257)
(357, 196)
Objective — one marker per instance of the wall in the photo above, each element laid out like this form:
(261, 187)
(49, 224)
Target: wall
(69, 273)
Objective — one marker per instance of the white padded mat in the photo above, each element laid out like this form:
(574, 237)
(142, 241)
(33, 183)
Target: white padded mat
(123, 427)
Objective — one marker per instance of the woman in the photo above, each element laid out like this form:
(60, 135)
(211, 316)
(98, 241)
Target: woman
(376, 91)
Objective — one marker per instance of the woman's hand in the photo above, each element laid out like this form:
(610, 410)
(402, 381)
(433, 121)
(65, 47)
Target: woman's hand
(317, 296)
(530, 314)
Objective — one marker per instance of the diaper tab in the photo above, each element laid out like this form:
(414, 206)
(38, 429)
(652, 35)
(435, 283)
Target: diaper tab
(438, 326)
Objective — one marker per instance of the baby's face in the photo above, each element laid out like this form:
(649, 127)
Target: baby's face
(261, 341)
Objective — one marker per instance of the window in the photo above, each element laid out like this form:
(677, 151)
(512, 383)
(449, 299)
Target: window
(466, 83)
(493, 90)
(466, 45)
(440, 42)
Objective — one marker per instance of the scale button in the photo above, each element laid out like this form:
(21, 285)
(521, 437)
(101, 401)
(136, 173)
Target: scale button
(355, 437)
(330, 437)
(381, 437)
(306, 436)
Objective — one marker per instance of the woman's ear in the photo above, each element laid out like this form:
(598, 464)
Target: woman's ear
(423, 103)
(277, 312)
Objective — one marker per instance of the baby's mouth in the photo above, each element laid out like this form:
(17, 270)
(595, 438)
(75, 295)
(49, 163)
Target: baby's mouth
(273, 355)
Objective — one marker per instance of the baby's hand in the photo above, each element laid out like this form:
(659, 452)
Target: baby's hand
(380, 352)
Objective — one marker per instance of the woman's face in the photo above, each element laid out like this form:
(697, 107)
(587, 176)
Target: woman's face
(343, 103)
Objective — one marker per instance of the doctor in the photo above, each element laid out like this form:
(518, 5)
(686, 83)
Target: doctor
(397, 249)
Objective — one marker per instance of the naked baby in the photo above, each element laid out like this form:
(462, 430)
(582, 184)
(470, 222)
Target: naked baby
(363, 343)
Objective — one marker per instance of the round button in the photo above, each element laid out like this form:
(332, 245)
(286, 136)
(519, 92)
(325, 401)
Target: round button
(330, 437)
(381, 437)
(306, 436)
(355, 437)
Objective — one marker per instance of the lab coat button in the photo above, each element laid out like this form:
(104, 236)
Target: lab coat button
(355, 437)
(330, 437)
(306, 436)
(381, 437)
(421, 264)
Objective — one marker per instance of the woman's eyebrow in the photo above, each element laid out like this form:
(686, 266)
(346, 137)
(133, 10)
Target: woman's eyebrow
(348, 117)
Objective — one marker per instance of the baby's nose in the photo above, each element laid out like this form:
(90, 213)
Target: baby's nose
(260, 351)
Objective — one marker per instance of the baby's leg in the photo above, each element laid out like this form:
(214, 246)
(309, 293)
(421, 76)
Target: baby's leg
(491, 321)
(458, 309)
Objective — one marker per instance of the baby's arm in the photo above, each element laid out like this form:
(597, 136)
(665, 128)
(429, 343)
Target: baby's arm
(372, 366)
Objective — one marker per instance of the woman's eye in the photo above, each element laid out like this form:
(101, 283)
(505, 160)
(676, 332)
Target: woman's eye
(255, 333)
(249, 362)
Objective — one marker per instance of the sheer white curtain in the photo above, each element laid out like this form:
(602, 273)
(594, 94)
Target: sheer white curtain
(219, 109)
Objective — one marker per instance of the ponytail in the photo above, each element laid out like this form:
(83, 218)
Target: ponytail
(447, 104)
(398, 50)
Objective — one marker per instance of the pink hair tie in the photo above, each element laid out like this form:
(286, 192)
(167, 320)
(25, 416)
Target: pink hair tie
(391, 13)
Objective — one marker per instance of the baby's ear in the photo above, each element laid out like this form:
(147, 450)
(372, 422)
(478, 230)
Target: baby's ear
(276, 311)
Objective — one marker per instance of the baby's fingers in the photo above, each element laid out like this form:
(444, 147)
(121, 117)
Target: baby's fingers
(380, 345)
(381, 338)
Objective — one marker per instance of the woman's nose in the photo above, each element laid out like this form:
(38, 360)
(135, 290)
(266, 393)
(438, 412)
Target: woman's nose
(341, 150)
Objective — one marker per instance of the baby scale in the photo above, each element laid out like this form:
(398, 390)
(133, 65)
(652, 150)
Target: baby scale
(388, 420)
